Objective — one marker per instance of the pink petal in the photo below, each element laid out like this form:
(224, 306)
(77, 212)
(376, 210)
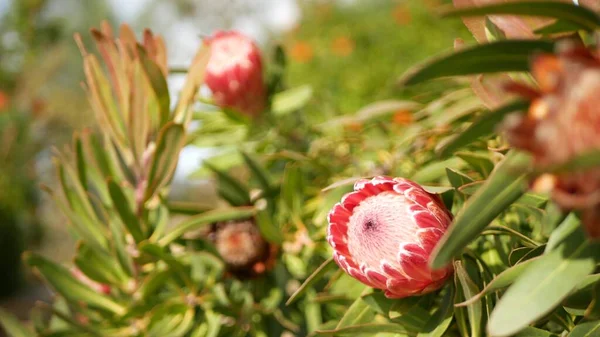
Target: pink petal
(335, 229)
(339, 214)
(377, 278)
(416, 268)
(424, 219)
(429, 237)
(360, 184)
(391, 271)
(352, 200)
(418, 196)
(399, 288)
(360, 276)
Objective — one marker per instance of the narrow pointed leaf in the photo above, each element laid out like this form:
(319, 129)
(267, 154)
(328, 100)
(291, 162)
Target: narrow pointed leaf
(12, 325)
(457, 178)
(204, 219)
(587, 329)
(502, 188)
(544, 285)
(357, 313)
(372, 328)
(158, 83)
(291, 100)
(170, 141)
(481, 127)
(125, 211)
(312, 279)
(503, 280)
(442, 317)
(62, 280)
(499, 56)
(479, 162)
(259, 172)
(230, 189)
(469, 289)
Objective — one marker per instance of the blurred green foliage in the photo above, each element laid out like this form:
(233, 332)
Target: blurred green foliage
(352, 54)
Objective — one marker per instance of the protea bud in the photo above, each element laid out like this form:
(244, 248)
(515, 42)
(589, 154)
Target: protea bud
(563, 122)
(96, 286)
(242, 247)
(384, 232)
(234, 73)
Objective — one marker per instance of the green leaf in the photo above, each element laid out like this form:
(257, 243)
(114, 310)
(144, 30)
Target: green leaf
(269, 228)
(99, 267)
(80, 162)
(569, 225)
(434, 171)
(195, 222)
(170, 320)
(442, 317)
(158, 84)
(69, 287)
(503, 280)
(153, 283)
(502, 188)
(123, 208)
(457, 178)
(259, 172)
(469, 289)
(587, 329)
(482, 126)
(291, 100)
(170, 141)
(372, 328)
(534, 332)
(543, 285)
(499, 56)
(358, 313)
(311, 280)
(173, 263)
(230, 189)
(292, 187)
(119, 244)
(479, 162)
(559, 26)
(12, 326)
(378, 302)
(578, 15)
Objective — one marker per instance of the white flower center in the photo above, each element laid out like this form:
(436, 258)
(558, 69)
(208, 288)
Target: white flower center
(377, 228)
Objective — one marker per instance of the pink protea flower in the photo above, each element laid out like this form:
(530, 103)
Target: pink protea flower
(383, 234)
(234, 73)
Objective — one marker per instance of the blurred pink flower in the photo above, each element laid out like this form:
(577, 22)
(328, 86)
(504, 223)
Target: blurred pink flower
(234, 73)
(384, 232)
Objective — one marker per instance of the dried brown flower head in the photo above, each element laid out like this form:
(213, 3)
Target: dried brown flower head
(563, 121)
(243, 249)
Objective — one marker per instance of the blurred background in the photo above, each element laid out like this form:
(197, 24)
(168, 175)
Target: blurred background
(349, 51)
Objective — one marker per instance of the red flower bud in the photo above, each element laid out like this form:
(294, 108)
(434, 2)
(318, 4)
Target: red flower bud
(383, 234)
(234, 73)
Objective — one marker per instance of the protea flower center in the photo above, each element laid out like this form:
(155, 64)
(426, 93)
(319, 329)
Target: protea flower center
(383, 234)
(234, 73)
